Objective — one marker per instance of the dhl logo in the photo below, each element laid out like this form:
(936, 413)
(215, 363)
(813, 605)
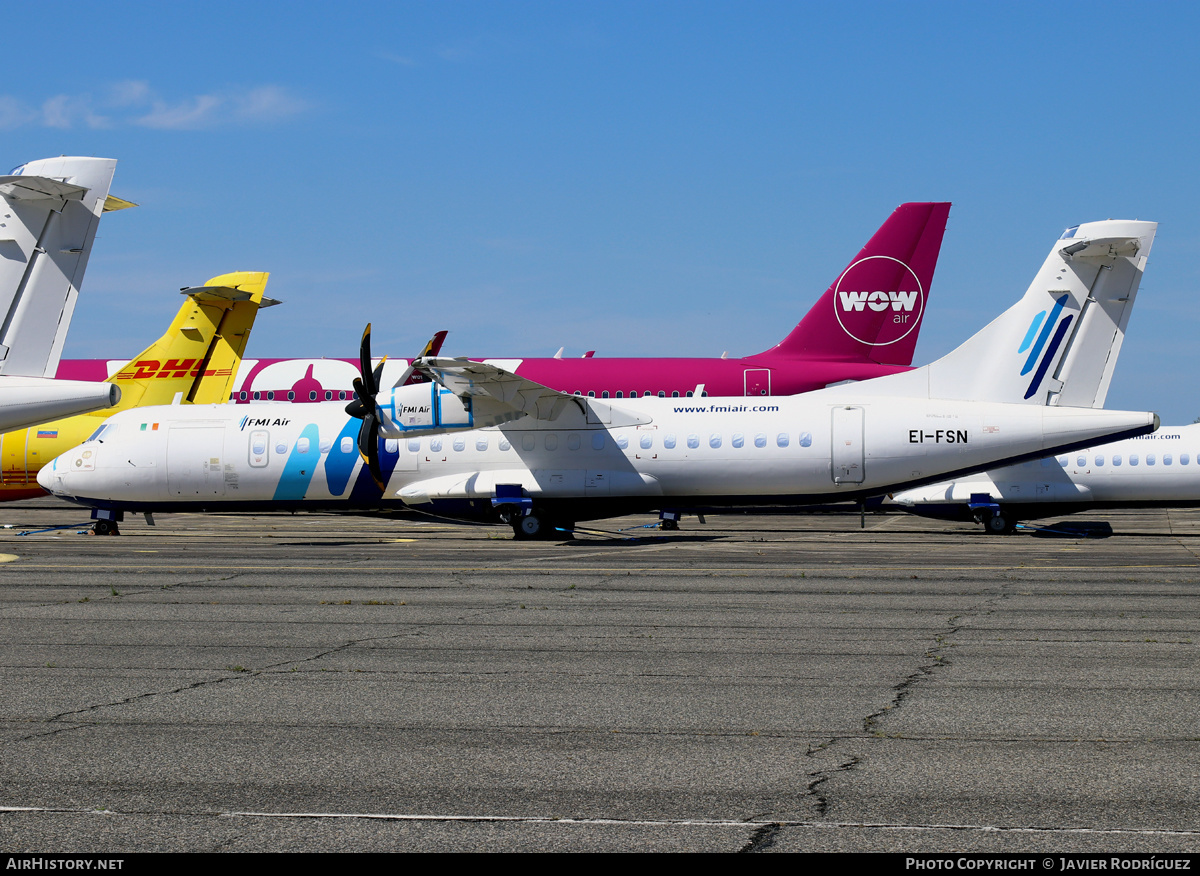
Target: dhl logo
(143, 369)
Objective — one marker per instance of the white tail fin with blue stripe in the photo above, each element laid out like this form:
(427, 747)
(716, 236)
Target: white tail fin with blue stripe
(1059, 344)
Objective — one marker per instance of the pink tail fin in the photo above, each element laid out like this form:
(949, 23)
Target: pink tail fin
(873, 310)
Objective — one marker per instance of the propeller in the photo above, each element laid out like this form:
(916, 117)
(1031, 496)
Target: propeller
(365, 407)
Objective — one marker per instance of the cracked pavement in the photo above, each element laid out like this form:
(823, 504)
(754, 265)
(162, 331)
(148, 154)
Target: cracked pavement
(757, 684)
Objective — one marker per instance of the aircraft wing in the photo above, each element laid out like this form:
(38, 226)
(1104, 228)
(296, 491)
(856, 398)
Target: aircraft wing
(479, 381)
(467, 379)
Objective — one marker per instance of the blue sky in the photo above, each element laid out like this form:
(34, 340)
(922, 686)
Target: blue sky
(664, 178)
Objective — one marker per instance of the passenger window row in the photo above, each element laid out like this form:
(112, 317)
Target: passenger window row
(343, 395)
(646, 441)
(270, 394)
(633, 393)
(1118, 459)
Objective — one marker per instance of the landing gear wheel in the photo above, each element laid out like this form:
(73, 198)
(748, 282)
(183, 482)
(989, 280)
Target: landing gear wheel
(105, 527)
(669, 525)
(998, 524)
(529, 526)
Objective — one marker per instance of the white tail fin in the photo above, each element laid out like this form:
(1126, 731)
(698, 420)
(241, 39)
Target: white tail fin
(50, 212)
(1058, 345)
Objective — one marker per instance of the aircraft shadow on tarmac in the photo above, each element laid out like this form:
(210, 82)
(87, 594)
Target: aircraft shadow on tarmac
(618, 538)
(565, 540)
(1069, 529)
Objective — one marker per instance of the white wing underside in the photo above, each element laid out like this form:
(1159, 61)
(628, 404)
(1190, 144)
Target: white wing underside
(481, 382)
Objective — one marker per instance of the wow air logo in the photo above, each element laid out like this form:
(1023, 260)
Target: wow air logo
(878, 301)
(1039, 362)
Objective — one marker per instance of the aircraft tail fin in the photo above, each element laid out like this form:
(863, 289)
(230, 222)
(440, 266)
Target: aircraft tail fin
(53, 207)
(1059, 344)
(873, 310)
(198, 357)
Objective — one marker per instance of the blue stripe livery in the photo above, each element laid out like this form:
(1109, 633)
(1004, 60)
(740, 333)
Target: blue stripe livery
(1033, 327)
(1041, 341)
(365, 489)
(300, 465)
(339, 464)
(1049, 357)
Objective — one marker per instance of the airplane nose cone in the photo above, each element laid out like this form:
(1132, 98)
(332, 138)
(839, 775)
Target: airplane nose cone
(49, 479)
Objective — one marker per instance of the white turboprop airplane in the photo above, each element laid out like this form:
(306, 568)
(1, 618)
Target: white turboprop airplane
(540, 459)
(1159, 470)
(50, 212)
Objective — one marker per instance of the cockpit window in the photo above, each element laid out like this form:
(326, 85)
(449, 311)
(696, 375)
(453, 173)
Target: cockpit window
(106, 430)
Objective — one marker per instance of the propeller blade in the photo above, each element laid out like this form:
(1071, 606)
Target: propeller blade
(365, 408)
(364, 355)
(368, 447)
(359, 407)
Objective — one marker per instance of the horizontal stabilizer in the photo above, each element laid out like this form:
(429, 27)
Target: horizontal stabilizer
(112, 202)
(39, 188)
(215, 294)
(1104, 248)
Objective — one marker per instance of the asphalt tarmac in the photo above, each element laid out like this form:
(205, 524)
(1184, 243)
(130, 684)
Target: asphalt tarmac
(758, 683)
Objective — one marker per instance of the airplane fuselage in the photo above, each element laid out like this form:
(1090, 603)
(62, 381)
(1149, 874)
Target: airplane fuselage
(672, 453)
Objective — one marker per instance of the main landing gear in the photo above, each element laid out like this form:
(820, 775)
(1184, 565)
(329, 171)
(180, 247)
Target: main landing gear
(528, 521)
(537, 524)
(999, 523)
(987, 511)
(532, 525)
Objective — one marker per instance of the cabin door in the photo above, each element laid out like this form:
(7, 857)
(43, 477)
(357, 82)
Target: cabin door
(195, 460)
(847, 445)
(758, 381)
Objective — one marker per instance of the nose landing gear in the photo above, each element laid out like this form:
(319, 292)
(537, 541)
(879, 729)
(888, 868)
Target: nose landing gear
(106, 521)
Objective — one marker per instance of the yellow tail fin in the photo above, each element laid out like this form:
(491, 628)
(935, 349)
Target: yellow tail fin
(197, 359)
